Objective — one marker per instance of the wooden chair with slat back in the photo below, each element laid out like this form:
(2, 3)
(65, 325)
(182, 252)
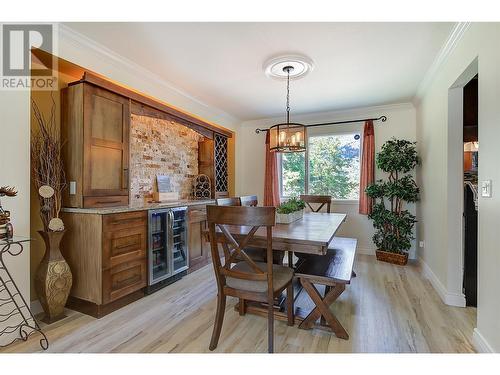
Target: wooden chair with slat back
(234, 201)
(246, 280)
(317, 199)
(255, 253)
(249, 200)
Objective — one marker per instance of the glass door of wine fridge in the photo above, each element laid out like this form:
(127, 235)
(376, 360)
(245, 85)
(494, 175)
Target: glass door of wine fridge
(178, 229)
(160, 266)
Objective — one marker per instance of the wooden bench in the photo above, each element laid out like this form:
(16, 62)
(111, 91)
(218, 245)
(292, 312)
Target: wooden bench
(334, 270)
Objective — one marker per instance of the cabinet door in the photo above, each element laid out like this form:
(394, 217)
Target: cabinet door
(206, 162)
(106, 143)
(199, 249)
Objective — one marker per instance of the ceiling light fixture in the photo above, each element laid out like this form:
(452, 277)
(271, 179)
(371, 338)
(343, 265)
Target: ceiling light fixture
(289, 136)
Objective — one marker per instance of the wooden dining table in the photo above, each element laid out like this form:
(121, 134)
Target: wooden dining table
(310, 235)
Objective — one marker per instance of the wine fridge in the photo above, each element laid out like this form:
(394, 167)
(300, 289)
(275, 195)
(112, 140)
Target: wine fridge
(168, 251)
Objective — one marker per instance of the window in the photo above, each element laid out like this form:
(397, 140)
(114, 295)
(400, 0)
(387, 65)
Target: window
(333, 167)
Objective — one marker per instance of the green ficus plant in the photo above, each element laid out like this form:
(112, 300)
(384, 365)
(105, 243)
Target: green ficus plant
(393, 223)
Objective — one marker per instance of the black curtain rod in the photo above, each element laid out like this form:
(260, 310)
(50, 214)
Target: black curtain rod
(381, 118)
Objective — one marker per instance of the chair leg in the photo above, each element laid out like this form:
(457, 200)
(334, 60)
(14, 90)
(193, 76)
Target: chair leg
(219, 317)
(242, 306)
(270, 327)
(289, 305)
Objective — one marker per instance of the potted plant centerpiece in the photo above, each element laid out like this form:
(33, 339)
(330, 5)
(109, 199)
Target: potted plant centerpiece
(53, 277)
(394, 224)
(290, 211)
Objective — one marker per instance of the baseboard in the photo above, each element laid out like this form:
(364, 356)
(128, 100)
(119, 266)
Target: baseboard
(480, 343)
(36, 307)
(451, 299)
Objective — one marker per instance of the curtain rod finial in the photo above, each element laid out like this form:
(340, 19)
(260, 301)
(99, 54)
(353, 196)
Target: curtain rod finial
(383, 118)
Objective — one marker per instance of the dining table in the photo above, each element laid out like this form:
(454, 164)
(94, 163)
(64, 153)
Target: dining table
(312, 234)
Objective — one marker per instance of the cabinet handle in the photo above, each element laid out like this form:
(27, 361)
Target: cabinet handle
(125, 178)
(117, 222)
(107, 202)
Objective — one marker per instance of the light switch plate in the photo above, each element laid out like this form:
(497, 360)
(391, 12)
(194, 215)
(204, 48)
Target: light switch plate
(486, 189)
(421, 244)
(72, 187)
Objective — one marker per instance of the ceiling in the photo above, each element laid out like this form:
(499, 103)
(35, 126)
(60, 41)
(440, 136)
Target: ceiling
(220, 64)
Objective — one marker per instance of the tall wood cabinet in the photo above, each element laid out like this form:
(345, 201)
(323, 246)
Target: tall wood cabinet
(95, 129)
(212, 161)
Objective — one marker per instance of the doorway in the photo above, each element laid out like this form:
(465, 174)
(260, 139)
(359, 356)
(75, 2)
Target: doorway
(470, 204)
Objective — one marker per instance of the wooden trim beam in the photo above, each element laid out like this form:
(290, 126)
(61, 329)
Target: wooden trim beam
(144, 110)
(153, 103)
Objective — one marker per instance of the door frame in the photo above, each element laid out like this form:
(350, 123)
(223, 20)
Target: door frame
(454, 181)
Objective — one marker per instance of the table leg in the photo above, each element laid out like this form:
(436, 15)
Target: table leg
(323, 309)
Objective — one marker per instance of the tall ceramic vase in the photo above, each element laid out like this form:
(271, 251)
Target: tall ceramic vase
(53, 278)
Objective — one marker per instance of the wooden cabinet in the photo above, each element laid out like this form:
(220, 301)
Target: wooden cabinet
(95, 128)
(199, 249)
(212, 161)
(107, 255)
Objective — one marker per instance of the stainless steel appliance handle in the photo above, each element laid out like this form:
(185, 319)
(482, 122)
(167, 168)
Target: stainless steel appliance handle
(171, 219)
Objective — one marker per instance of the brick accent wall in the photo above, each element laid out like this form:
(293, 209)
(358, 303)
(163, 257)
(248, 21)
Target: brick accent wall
(161, 147)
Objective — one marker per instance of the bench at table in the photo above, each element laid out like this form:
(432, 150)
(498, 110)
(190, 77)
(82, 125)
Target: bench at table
(334, 270)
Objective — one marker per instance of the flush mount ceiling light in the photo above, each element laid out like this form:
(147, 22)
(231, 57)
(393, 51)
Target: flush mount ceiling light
(289, 136)
(301, 65)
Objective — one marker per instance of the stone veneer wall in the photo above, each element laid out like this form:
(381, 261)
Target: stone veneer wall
(160, 146)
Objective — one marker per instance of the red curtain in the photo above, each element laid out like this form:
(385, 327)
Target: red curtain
(367, 168)
(271, 186)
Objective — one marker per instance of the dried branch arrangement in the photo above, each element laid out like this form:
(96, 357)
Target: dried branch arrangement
(47, 167)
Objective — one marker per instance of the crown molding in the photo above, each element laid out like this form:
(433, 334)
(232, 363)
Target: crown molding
(79, 40)
(448, 47)
(335, 115)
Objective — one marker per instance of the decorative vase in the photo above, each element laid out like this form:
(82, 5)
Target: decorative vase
(53, 278)
(393, 258)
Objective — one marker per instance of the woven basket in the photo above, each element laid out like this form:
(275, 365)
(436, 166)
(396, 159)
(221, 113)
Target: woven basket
(394, 258)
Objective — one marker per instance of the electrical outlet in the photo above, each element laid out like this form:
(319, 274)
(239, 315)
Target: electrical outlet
(72, 187)
(421, 244)
(486, 189)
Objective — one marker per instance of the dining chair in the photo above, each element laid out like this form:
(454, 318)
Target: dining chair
(249, 200)
(257, 254)
(234, 201)
(317, 199)
(246, 280)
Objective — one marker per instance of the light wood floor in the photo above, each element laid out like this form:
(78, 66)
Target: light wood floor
(385, 309)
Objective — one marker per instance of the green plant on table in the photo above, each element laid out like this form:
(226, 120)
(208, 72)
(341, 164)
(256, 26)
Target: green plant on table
(394, 224)
(291, 205)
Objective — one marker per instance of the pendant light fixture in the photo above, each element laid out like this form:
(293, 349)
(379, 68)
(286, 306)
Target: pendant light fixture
(289, 136)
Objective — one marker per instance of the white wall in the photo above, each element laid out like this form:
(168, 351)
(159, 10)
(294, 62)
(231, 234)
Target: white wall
(15, 127)
(15, 171)
(479, 41)
(250, 153)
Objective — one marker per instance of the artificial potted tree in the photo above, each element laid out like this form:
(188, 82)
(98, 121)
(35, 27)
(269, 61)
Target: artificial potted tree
(53, 278)
(392, 222)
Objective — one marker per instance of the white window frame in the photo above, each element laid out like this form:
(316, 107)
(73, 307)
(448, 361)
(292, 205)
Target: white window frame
(319, 132)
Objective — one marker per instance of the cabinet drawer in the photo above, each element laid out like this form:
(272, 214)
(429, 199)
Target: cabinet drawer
(123, 279)
(125, 220)
(123, 245)
(109, 201)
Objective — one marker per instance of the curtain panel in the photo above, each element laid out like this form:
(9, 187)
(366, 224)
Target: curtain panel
(367, 168)
(271, 185)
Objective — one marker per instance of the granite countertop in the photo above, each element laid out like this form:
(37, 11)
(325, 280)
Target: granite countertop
(137, 207)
